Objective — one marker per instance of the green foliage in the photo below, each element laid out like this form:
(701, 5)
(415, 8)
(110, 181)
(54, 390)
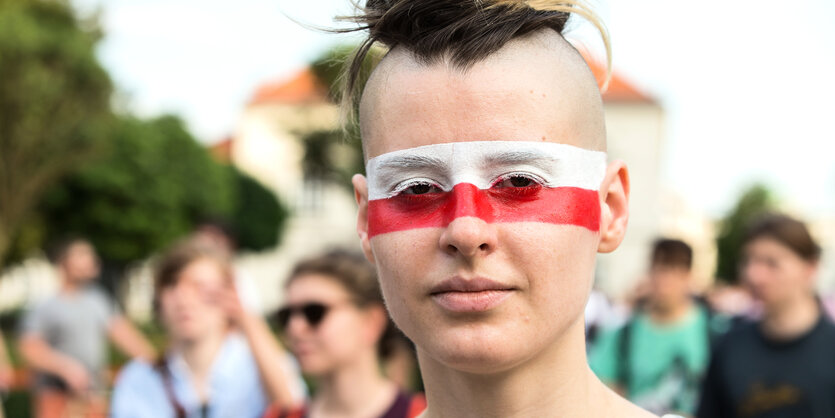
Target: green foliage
(54, 104)
(330, 158)
(753, 202)
(259, 218)
(335, 155)
(152, 186)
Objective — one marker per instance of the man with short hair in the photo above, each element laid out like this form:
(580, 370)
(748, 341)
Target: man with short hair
(783, 364)
(64, 338)
(657, 358)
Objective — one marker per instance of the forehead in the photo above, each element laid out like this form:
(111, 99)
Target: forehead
(315, 287)
(766, 245)
(204, 271)
(534, 89)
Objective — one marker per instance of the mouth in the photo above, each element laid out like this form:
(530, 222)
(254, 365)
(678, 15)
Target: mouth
(477, 294)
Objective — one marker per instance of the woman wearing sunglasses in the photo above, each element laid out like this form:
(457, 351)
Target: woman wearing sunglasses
(221, 360)
(335, 323)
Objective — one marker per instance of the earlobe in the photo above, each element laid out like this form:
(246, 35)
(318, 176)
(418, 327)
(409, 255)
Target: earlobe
(614, 205)
(361, 196)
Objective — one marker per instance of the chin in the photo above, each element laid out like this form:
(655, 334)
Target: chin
(482, 349)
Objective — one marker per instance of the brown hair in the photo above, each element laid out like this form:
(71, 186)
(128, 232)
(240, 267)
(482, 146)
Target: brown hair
(358, 277)
(57, 251)
(466, 31)
(672, 253)
(177, 258)
(787, 231)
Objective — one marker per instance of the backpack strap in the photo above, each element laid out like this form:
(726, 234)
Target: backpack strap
(624, 349)
(168, 385)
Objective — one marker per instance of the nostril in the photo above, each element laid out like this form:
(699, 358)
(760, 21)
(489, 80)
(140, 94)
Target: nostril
(483, 247)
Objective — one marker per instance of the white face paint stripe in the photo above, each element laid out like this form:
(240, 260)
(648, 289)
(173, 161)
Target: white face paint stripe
(481, 162)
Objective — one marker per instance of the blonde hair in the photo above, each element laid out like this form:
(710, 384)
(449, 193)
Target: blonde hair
(465, 31)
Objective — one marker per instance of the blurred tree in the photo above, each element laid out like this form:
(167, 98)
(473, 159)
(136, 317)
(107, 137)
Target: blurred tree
(259, 217)
(753, 202)
(335, 155)
(153, 184)
(329, 157)
(54, 104)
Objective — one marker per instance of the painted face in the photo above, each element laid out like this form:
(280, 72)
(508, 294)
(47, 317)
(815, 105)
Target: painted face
(338, 337)
(189, 308)
(483, 205)
(494, 181)
(774, 273)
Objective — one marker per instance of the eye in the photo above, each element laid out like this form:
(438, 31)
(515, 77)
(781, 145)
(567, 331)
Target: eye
(418, 187)
(517, 180)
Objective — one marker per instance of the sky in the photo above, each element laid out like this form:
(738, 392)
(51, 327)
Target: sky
(747, 86)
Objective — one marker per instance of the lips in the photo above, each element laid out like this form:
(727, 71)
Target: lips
(463, 295)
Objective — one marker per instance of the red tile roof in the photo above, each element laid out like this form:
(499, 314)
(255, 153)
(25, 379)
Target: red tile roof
(619, 90)
(304, 88)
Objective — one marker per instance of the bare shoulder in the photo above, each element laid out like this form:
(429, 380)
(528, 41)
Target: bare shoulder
(617, 406)
(626, 409)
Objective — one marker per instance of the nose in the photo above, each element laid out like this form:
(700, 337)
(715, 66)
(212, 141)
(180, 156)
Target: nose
(296, 325)
(469, 237)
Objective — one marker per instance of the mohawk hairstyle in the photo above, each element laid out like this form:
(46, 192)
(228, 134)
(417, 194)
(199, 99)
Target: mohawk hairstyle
(464, 31)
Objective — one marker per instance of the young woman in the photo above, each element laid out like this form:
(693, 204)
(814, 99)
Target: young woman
(337, 327)
(221, 361)
(486, 198)
(783, 364)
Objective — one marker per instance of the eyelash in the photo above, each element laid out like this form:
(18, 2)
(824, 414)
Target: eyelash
(401, 188)
(536, 179)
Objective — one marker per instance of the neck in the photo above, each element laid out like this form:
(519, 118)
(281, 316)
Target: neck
(557, 382)
(356, 389)
(792, 318)
(70, 286)
(199, 354)
(669, 313)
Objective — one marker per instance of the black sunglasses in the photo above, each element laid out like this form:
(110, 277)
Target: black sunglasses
(312, 312)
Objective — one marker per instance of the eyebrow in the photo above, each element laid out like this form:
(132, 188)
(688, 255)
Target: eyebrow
(537, 159)
(412, 162)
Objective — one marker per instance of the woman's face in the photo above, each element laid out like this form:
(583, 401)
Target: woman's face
(190, 308)
(339, 337)
(474, 294)
(774, 273)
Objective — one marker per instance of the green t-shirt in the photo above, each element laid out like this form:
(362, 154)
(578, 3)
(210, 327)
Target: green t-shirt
(666, 362)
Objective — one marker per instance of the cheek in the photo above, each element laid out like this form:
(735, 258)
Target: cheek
(557, 263)
(407, 263)
(342, 335)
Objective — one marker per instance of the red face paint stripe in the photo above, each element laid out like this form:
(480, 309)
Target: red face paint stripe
(559, 205)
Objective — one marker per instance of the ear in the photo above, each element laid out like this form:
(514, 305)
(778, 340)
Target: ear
(614, 214)
(361, 195)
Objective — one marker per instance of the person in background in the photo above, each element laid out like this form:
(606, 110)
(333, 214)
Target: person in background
(600, 314)
(658, 356)
(221, 361)
(6, 372)
(64, 338)
(335, 323)
(221, 235)
(783, 364)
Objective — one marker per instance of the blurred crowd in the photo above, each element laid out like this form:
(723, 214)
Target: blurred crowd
(761, 347)
(219, 357)
(736, 350)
